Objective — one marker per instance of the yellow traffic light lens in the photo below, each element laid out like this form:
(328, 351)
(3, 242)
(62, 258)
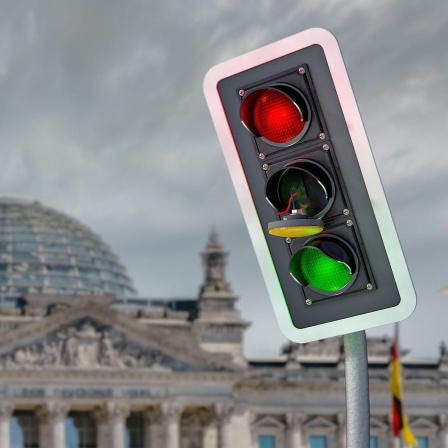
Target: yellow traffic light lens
(296, 231)
(295, 227)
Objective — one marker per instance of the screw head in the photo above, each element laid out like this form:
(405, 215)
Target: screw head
(322, 135)
(369, 286)
(308, 301)
(301, 71)
(241, 92)
(349, 223)
(266, 166)
(289, 240)
(325, 147)
(262, 155)
(346, 211)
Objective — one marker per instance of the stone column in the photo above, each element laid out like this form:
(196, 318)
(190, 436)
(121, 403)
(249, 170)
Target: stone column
(342, 431)
(116, 421)
(443, 433)
(210, 435)
(224, 414)
(152, 418)
(52, 424)
(43, 426)
(171, 427)
(100, 416)
(207, 420)
(294, 432)
(6, 410)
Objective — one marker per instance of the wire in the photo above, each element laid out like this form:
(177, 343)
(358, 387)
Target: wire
(287, 208)
(292, 197)
(291, 202)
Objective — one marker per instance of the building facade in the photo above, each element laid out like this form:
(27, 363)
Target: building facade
(84, 363)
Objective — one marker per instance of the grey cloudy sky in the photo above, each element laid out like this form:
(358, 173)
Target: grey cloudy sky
(102, 116)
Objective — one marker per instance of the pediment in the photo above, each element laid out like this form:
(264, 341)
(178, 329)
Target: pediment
(319, 422)
(93, 337)
(269, 422)
(423, 423)
(377, 423)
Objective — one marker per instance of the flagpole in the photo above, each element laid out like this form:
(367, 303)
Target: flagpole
(397, 342)
(397, 337)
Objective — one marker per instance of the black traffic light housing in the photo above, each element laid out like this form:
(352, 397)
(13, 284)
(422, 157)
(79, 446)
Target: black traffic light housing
(309, 189)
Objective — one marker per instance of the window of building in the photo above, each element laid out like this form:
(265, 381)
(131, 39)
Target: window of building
(57, 258)
(89, 273)
(54, 247)
(23, 235)
(85, 261)
(60, 280)
(80, 250)
(25, 256)
(27, 279)
(52, 237)
(24, 430)
(373, 442)
(135, 431)
(422, 442)
(318, 442)
(266, 441)
(94, 284)
(24, 245)
(80, 430)
(59, 269)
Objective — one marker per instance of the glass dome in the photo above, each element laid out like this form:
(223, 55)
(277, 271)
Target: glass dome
(44, 251)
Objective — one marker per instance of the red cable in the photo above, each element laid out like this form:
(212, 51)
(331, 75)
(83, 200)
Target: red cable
(289, 204)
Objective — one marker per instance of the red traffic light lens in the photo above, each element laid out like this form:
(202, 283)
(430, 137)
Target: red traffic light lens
(277, 118)
(279, 114)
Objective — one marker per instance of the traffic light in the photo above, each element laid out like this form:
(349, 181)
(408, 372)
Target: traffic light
(307, 183)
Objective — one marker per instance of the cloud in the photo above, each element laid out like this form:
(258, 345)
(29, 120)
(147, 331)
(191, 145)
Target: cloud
(102, 116)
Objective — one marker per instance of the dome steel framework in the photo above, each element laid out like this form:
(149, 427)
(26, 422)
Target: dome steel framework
(44, 251)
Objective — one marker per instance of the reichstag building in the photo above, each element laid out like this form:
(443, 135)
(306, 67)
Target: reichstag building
(86, 363)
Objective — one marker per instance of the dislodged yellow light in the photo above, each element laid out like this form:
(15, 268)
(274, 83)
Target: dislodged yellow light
(296, 231)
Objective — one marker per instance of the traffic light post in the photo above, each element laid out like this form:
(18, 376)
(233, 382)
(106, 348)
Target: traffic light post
(307, 183)
(357, 390)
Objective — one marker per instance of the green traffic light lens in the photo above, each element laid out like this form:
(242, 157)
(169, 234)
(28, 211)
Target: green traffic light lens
(325, 264)
(324, 273)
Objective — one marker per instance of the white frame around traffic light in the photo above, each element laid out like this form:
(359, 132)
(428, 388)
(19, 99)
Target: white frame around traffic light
(368, 168)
